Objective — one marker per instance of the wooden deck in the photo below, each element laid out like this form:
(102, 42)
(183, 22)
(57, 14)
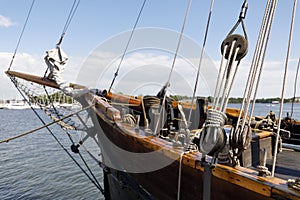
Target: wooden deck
(288, 164)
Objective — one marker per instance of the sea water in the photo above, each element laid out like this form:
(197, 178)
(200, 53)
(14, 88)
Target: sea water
(36, 167)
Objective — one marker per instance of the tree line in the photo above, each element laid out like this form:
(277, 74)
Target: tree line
(238, 99)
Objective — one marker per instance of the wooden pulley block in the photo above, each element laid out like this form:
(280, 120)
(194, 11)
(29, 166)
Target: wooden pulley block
(240, 42)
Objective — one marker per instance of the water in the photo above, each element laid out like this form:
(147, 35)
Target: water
(262, 109)
(35, 167)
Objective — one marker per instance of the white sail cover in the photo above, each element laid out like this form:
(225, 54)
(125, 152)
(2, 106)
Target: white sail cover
(56, 60)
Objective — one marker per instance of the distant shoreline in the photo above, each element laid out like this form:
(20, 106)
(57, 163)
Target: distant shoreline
(276, 100)
(240, 99)
(232, 100)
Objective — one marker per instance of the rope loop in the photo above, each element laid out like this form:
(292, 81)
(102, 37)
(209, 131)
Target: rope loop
(242, 16)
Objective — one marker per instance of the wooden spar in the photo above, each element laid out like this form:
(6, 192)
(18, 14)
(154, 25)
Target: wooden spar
(40, 80)
(33, 78)
(119, 98)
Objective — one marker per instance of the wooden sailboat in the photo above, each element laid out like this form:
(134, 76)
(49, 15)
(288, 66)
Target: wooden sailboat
(150, 150)
(227, 181)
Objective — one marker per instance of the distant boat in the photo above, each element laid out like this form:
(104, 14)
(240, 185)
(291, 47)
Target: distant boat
(16, 105)
(275, 102)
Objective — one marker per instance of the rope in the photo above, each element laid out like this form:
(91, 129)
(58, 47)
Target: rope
(262, 59)
(178, 44)
(260, 49)
(179, 176)
(58, 115)
(72, 141)
(225, 82)
(227, 90)
(295, 87)
(144, 113)
(44, 126)
(127, 45)
(172, 67)
(68, 21)
(201, 58)
(128, 118)
(283, 86)
(53, 135)
(241, 19)
(30, 94)
(21, 35)
(222, 94)
(219, 78)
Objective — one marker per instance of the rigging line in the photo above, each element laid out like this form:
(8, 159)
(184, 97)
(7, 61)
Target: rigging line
(69, 19)
(295, 87)
(173, 64)
(178, 44)
(241, 19)
(127, 45)
(21, 35)
(223, 78)
(253, 64)
(179, 175)
(72, 141)
(229, 79)
(71, 15)
(53, 135)
(44, 126)
(201, 58)
(219, 84)
(224, 105)
(263, 54)
(92, 174)
(254, 61)
(283, 86)
(99, 162)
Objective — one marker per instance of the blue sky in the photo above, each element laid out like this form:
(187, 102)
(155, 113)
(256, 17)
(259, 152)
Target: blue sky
(98, 21)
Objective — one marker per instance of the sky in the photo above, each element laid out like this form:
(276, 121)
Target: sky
(99, 31)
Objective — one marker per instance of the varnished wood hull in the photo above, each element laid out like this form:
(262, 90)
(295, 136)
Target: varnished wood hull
(227, 182)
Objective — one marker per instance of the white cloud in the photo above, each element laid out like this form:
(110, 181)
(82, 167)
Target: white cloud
(31, 64)
(5, 21)
(140, 70)
(146, 73)
(23, 62)
(271, 79)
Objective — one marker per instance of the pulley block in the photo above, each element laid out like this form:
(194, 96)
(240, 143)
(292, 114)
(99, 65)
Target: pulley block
(240, 42)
